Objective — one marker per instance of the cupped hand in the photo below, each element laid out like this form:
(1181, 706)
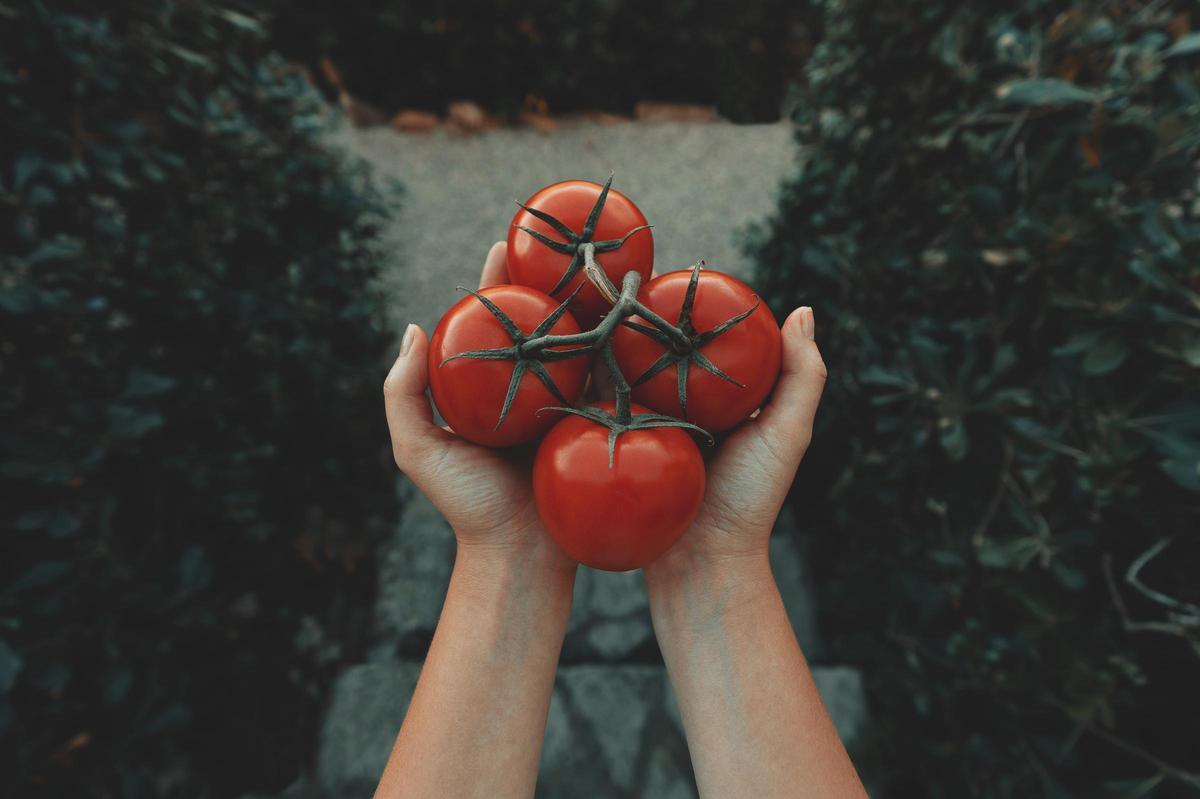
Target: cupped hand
(485, 494)
(749, 476)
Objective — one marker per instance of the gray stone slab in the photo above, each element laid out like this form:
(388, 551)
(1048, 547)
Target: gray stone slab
(609, 735)
(789, 563)
(414, 573)
(365, 713)
(610, 617)
(842, 692)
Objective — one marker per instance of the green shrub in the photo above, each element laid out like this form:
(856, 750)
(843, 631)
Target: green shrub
(192, 449)
(997, 220)
(595, 54)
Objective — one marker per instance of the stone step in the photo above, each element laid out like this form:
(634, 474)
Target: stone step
(613, 729)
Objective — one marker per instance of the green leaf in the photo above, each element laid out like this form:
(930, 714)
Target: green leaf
(1079, 342)
(54, 677)
(195, 573)
(1007, 554)
(26, 166)
(1036, 92)
(191, 57)
(1068, 576)
(127, 421)
(953, 438)
(143, 383)
(1185, 473)
(1191, 351)
(1105, 355)
(10, 666)
(39, 575)
(1132, 789)
(57, 522)
(173, 718)
(116, 687)
(242, 21)
(57, 249)
(1186, 45)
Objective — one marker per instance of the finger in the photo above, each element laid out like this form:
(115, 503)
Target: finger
(409, 414)
(495, 266)
(787, 420)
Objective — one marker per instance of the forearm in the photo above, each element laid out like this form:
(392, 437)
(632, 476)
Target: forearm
(478, 715)
(754, 720)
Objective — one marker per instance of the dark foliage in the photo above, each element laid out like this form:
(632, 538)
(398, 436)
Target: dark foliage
(997, 219)
(584, 55)
(191, 435)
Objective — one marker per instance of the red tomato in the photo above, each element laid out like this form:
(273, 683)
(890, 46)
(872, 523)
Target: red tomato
(749, 352)
(624, 516)
(470, 392)
(535, 264)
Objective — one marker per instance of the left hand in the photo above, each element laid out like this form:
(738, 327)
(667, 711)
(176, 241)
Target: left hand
(486, 495)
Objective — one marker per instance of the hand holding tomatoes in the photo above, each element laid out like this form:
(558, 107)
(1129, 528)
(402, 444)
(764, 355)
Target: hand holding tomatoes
(615, 484)
(485, 494)
(751, 472)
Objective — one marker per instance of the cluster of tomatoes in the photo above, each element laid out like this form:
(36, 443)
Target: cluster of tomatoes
(616, 482)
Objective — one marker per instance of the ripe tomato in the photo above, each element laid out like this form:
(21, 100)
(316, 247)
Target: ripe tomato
(748, 352)
(539, 265)
(624, 516)
(470, 392)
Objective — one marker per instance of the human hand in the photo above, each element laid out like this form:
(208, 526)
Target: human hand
(486, 495)
(749, 477)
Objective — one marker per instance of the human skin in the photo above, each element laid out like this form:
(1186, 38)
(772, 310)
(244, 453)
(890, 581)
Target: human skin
(476, 721)
(755, 723)
(754, 720)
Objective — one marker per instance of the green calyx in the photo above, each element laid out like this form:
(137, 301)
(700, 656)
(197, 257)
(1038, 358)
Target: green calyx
(523, 363)
(574, 242)
(681, 356)
(637, 421)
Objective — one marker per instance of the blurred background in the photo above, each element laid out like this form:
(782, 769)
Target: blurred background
(215, 218)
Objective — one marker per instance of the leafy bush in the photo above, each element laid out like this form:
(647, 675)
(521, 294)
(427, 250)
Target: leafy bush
(595, 54)
(192, 453)
(997, 219)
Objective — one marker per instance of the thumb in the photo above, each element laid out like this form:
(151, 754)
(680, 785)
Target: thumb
(409, 415)
(786, 423)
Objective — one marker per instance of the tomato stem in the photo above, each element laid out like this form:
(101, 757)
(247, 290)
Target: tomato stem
(620, 384)
(595, 275)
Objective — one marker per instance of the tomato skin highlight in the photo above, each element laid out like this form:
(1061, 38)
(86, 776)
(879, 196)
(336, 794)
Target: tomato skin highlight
(469, 392)
(623, 517)
(750, 352)
(531, 263)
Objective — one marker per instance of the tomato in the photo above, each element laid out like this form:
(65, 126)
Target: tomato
(542, 266)
(748, 352)
(470, 392)
(622, 516)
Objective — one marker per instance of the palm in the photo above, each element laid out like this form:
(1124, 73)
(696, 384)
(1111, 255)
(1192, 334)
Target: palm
(738, 503)
(485, 494)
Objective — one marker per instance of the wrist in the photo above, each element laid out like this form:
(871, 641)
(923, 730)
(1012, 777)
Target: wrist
(537, 566)
(688, 590)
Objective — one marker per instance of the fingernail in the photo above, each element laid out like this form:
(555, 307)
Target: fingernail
(808, 324)
(410, 334)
